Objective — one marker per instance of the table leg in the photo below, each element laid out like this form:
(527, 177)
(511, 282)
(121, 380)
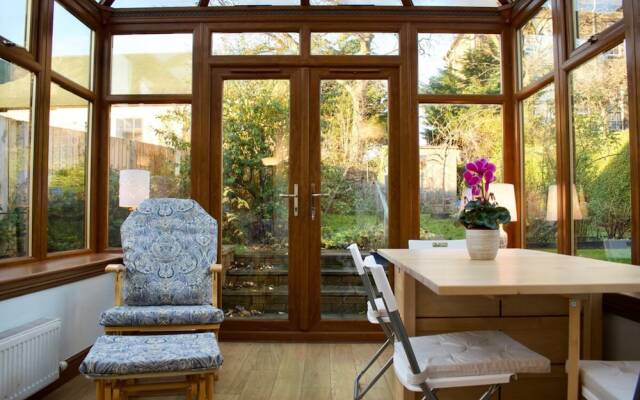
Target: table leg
(210, 379)
(99, 390)
(573, 373)
(405, 291)
(108, 387)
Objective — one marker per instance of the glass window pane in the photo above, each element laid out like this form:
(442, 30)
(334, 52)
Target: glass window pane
(456, 3)
(354, 154)
(154, 138)
(540, 190)
(355, 43)
(228, 3)
(456, 63)
(16, 154)
(535, 46)
(356, 2)
(255, 44)
(68, 171)
(151, 64)
(600, 123)
(594, 16)
(72, 52)
(451, 136)
(15, 21)
(153, 3)
(255, 220)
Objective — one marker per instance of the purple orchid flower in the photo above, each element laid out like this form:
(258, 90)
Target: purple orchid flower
(478, 175)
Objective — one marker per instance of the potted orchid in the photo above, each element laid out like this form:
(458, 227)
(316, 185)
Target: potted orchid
(481, 215)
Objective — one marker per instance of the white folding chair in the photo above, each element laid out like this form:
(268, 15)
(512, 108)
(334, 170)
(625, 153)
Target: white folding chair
(428, 244)
(604, 380)
(376, 314)
(479, 358)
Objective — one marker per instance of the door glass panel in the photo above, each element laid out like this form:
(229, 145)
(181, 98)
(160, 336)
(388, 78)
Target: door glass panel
(255, 220)
(354, 134)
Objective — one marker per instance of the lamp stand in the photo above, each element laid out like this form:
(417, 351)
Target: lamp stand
(504, 238)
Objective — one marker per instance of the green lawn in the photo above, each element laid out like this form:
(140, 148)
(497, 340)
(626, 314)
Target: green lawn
(443, 229)
(600, 254)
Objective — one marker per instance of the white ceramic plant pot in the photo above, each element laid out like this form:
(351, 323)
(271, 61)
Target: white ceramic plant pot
(483, 244)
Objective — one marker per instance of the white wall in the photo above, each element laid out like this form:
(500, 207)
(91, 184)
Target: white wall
(620, 338)
(77, 304)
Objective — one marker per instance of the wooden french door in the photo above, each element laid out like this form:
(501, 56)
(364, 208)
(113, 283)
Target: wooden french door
(353, 123)
(301, 168)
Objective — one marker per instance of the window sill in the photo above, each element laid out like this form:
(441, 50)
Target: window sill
(626, 305)
(31, 277)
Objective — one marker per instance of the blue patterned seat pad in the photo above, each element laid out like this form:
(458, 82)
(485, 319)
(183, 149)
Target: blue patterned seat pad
(161, 315)
(137, 355)
(168, 246)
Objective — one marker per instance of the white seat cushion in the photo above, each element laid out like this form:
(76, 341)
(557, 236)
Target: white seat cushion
(372, 315)
(466, 354)
(609, 380)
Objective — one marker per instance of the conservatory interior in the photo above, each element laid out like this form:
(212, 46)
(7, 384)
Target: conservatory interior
(303, 199)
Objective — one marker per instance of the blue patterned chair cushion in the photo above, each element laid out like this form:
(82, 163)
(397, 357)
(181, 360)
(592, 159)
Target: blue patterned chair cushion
(161, 315)
(129, 355)
(168, 247)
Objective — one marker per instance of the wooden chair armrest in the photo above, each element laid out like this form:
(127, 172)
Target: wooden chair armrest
(119, 270)
(114, 268)
(216, 275)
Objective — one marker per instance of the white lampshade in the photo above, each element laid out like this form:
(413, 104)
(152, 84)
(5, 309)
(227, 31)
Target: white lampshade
(552, 203)
(505, 196)
(134, 187)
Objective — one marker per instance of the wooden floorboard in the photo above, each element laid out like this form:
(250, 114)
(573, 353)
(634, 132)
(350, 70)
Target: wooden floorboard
(270, 371)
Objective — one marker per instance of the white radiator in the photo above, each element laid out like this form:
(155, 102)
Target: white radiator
(29, 358)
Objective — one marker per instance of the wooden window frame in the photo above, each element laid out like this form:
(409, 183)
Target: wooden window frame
(407, 21)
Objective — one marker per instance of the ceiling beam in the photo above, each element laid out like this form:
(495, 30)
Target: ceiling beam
(407, 3)
(107, 3)
(304, 2)
(203, 3)
(504, 2)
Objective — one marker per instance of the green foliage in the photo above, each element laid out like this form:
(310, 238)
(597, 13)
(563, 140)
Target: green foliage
(255, 127)
(610, 200)
(13, 232)
(479, 214)
(339, 231)
(67, 209)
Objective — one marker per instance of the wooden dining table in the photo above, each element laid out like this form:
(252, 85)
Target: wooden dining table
(450, 272)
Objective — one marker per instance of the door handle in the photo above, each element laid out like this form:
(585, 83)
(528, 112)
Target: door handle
(315, 196)
(293, 196)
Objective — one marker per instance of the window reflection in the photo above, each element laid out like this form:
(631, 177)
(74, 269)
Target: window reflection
(600, 123)
(539, 156)
(535, 46)
(151, 64)
(255, 43)
(453, 63)
(72, 51)
(594, 16)
(16, 147)
(154, 138)
(68, 171)
(15, 21)
(355, 43)
(451, 136)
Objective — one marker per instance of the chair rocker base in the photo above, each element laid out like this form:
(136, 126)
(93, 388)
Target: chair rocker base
(195, 386)
(162, 328)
